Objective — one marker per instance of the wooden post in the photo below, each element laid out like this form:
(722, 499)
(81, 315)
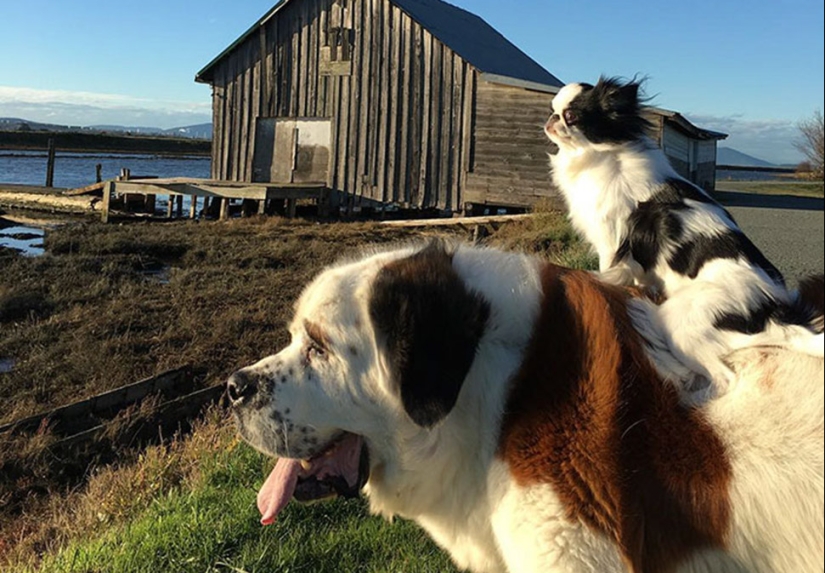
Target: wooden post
(50, 164)
(291, 205)
(170, 206)
(108, 189)
(262, 207)
(326, 203)
(224, 209)
(193, 207)
(149, 205)
(179, 207)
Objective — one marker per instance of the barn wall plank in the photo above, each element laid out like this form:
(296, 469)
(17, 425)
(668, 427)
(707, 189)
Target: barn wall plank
(510, 147)
(406, 126)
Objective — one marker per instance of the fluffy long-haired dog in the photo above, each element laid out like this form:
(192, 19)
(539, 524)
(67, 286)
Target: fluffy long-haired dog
(653, 228)
(517, 411)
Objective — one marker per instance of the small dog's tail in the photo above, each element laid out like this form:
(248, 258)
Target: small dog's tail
(811, 296)
(810, 303)
(798, 325)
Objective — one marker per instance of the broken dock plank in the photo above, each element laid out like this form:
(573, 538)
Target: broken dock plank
(166, 416)
(79, 415)
(93, 188)
(39, 198)
(486, 220)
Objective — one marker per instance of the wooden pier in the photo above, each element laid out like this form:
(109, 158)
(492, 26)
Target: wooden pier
(208, 190)
(41, 198)
(137, 195)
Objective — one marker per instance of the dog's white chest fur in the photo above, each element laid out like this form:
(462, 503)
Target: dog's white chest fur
(603, 189)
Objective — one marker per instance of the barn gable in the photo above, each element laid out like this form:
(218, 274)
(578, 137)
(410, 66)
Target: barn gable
(468, 35)
(414, 103)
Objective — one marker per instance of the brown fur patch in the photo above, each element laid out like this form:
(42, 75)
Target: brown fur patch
(589, 415)
(317, 334)
(428, 323)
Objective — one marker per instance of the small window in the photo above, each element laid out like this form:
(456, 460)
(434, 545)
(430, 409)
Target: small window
(339, 41)
(336, 55)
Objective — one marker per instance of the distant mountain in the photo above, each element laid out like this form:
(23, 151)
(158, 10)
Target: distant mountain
(17, 124)
(728, 156)
(200, 131)
(127, 129)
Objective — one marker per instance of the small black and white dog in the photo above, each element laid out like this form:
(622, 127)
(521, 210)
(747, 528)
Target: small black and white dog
(655, 229)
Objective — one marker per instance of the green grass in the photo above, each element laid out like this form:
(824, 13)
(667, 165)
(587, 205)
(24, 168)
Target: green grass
(795, 188)
(206, 520)
(214, 530)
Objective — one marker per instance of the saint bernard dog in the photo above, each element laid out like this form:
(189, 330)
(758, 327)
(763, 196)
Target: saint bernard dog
(528, 417)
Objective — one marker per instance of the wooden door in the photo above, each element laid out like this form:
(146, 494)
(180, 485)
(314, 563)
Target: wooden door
(293, 150)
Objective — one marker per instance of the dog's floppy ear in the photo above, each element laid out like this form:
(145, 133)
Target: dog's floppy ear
(429, 325)
(616, 96)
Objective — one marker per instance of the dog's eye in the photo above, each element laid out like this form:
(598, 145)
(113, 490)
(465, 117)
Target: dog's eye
(570, 117)
(314, 350)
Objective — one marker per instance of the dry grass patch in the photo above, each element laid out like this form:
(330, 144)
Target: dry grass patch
(117, 492)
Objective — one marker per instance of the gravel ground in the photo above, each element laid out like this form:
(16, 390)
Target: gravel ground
(789, 230)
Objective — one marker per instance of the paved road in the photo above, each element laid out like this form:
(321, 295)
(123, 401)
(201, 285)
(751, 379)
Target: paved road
(789, 230)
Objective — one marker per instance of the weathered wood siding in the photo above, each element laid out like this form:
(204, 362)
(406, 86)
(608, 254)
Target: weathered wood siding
(400, 121)
(705, 175)
(693, 159)
(679, 150)
(509, 164)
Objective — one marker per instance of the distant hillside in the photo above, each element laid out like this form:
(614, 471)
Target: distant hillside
(201, 131)
(728, 156)
(109, 142)
(17, 124)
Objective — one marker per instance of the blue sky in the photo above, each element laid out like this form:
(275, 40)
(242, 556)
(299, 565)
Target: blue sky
(749, 68)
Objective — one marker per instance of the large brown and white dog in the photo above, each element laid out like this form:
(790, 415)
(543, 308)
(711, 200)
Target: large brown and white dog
(523, 415)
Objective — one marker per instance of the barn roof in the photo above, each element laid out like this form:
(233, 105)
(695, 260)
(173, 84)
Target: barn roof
(684, 125)
(476, 41)
(466, 34)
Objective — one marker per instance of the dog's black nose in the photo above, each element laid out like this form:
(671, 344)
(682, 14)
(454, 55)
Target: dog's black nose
(240, 386)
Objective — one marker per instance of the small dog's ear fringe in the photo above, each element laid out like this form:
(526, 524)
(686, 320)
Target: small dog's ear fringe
(609, 85)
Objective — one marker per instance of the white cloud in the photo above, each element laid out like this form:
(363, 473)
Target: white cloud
(86, 108)
(768, 139)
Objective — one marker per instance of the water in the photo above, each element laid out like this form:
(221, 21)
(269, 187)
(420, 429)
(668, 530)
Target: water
(729, 175)
(6, 365)
(77, 169)
(28, 240)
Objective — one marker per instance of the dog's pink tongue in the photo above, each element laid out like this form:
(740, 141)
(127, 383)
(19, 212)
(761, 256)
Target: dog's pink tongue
(278, 489)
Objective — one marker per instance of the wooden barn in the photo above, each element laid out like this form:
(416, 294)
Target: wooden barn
(413, 103)
(691, 149)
